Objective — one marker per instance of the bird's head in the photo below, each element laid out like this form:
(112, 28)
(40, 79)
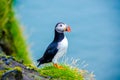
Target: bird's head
(61, 27)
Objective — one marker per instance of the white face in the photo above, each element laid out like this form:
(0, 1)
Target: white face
(61, 27)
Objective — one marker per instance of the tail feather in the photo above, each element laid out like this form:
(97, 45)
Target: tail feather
(39, 64)
(40, 61)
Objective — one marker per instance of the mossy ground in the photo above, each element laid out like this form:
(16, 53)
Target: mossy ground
(60, 74)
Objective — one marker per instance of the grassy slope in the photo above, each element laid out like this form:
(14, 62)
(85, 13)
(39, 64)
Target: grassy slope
(11, 38)
(61, 74)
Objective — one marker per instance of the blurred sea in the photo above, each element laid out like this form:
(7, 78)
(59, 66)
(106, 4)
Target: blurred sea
(95, 36)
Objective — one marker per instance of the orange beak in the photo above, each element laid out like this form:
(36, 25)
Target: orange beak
(68, 29)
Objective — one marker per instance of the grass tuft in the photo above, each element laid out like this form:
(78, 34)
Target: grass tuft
(60, 74)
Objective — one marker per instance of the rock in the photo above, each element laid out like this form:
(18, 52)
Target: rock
(7, 60)
(4, 58)
(12, 75)
(10, 69)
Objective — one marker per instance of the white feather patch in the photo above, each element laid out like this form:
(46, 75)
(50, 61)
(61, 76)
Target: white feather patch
(62, 49)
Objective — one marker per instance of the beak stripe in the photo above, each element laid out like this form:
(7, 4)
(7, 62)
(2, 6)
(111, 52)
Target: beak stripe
(68, 29)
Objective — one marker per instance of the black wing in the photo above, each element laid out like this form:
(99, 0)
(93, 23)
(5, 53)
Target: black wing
(49, 53)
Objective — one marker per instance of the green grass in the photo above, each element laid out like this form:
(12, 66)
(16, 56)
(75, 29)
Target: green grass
(13, 41)
(60, 74)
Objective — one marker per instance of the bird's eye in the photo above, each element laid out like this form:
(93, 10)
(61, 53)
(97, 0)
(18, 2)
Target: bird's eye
(60, 25)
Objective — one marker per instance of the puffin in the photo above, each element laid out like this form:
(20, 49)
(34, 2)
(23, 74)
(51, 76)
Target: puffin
(58, 47)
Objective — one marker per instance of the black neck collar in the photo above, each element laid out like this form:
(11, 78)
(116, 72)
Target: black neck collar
(58, 36)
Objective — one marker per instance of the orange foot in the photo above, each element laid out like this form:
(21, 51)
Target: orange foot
(57, 66)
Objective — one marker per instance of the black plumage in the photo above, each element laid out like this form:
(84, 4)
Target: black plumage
(52, 48)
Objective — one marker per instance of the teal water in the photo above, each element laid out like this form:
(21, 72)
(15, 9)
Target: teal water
(95, 36)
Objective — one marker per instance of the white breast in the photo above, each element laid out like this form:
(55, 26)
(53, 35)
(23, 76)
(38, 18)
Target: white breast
(62, 48)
